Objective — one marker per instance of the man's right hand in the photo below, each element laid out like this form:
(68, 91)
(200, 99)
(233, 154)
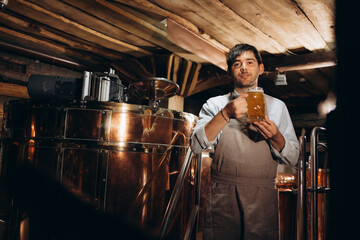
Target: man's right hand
(237, 108)
(234, 109)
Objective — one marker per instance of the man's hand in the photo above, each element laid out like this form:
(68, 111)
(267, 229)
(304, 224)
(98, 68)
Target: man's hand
(236, 108)
(271, 132)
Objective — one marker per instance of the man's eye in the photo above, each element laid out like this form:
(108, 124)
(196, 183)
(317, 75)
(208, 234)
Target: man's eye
(250, 62)
(236, 65)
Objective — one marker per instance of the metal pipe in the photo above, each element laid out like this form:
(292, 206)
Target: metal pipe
(314, 176)
(195, 223)
(198, 178)
(85, 91)
(194, 216)
(191, 222)
(301, 198)
(174, 199)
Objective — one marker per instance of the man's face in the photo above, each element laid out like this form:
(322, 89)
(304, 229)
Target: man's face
(246, 70)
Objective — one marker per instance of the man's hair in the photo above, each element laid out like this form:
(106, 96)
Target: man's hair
(238, 49)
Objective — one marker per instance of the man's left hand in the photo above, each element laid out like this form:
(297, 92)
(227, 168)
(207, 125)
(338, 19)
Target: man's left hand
(270, 131)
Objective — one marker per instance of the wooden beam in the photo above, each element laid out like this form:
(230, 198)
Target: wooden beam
(75, 28)
(155, 8)
(194, 79)
(301, 62)
(136, 64)
(254, 14)
(11, 75)
(195, 44)
(306, 66)
(37, 29)
(239, 27)
(212, 82)
(133, 17)
(13, 90)
(169, 66)
(321, 13)
(221, 23)
(288, 15)
(23, 36)
(185, 76)
(175, 69)
(51, 52)
(33, 51)
(127, 21)
(130, 77)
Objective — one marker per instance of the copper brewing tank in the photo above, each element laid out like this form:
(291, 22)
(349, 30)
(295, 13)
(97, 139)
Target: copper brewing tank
(123, 159)
(304, 192)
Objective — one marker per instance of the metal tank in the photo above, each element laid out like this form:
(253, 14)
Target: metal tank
(123, 159)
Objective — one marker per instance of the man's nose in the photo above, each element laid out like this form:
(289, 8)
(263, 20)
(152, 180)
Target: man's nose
(243, 66)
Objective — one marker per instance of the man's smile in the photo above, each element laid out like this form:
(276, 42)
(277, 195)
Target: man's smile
(244, 75)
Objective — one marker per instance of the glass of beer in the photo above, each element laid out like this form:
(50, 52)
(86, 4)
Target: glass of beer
(256, 104)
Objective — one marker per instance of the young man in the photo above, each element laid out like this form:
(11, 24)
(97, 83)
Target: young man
(242, 202)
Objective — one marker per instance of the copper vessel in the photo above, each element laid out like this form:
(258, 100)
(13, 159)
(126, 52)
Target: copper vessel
(304, 204)
(123, 159)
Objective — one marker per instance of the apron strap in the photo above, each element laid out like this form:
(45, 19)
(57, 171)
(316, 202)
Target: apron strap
(233, 180)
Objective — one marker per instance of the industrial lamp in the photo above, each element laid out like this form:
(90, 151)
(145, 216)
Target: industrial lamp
(280, 78)
(3, 3)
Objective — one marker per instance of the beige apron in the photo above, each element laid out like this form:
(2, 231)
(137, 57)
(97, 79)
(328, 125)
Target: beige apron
(242, 202)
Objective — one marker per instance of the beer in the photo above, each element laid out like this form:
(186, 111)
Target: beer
(256, 104)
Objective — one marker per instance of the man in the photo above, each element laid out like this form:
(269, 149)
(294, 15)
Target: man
(242, 202)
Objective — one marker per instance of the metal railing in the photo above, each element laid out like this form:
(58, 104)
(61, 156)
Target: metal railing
(175, 196)
(313, 189)
(301, 198)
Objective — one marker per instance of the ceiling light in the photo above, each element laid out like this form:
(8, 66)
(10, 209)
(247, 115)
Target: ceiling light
(3, 3)
(280, 79)
(164, 22)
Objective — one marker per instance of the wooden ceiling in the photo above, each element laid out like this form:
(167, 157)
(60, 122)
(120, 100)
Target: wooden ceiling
(131, 36)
